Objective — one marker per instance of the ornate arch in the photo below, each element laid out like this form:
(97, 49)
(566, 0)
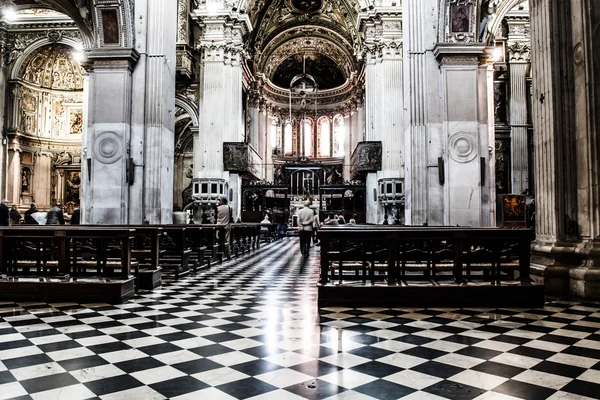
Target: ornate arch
(501, 8)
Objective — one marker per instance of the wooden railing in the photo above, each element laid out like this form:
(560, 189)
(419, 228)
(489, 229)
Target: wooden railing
(396, 253)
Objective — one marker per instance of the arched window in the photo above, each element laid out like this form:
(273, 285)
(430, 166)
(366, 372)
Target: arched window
(288, 147)
(324, 143)
(308, 137)
(339, 136)
(273, 135)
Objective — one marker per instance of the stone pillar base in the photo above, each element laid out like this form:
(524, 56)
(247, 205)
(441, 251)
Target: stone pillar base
(567, 270)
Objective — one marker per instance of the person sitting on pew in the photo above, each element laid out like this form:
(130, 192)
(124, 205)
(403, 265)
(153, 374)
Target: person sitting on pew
(330, 220)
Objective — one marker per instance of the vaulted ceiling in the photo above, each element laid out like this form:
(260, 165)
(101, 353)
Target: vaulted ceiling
(287, 32)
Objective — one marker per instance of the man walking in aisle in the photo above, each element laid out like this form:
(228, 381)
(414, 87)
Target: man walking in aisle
(306, 218)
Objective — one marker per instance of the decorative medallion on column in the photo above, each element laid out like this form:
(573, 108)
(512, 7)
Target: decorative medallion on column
(462, 146)
(107, 147)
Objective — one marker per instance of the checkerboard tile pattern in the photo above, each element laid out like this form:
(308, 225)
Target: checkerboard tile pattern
(251, 328)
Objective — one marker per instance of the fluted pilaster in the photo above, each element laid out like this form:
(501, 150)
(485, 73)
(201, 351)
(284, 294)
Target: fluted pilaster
(518, 129)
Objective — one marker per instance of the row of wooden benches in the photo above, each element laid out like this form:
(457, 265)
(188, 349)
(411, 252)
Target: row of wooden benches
(115, 252)
(395, 254)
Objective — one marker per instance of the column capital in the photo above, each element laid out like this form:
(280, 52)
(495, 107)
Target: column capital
(518, 51)
(102, 59)
(382, 31)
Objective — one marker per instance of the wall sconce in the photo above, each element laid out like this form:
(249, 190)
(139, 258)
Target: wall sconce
(375, 195)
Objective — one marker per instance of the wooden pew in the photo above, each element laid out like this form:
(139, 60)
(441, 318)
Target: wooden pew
(66, 262)
(494, 253)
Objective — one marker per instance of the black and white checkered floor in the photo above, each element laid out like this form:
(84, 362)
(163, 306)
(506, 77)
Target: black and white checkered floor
(251, 329)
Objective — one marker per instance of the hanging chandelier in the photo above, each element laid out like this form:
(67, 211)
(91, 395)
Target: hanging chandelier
(302, 85)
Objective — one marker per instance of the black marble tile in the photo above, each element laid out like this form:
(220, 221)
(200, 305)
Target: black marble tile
(384, 390)
(532, 352)
(210, 350)
(160, 348)
(58, 346)
(222, 337)
(413, 339)
(424, 352)
(15, 344)
(6, 377)
(437, 369)
(583, 388)
(377, 369)
(108, 347)
(139, 364)
(524, 390)
(462, 339)
(120, 383)
(372, 353)
(48, 382)
(246, 388)
(256, 367)
(84, 334)
(178, 386)
(262, 351)
(315, 389)
(82, 362)
(498, 369)
(454, 390)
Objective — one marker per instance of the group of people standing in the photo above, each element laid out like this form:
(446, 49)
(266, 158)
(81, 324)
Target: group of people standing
(53, 217)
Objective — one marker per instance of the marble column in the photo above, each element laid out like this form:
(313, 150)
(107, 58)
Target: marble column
(42, 181)
(465, 139)
(518, 47)
(13, 170)
(382, 52)
(417, 201)
(3, 83)
(564, 256)
(152, 115)
(220, 109)
(107, 137)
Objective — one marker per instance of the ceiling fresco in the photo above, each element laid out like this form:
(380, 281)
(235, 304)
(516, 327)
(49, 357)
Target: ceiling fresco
(323, 69)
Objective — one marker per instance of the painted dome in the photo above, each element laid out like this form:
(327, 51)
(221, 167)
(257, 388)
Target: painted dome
(53, 67)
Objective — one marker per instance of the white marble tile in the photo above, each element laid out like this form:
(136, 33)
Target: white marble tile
(348, 378)
(279, 394)
(570, 359)
(36, 371)
(288, 359)
(139, 393)
(350, 395)
(402, 360)
(496, 396)
(495, 345)
(220, 376)
(94, 340)
(19, 352)
(386, 334)
(591, 375)
(413, 379)
(70, 354)
(231, 358)
(159, 374)
(10, 390)
(589, 344)
(568, 396)
(176, 357)
(459, 360)
(543, 379)
(123, 355)
(345, 360)
(393, 345)
(49, 339)
(516, 360)
(444, 345)
(283, 377)
(73, 392)
(544, 345)
(95, 373)
(478, 379)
